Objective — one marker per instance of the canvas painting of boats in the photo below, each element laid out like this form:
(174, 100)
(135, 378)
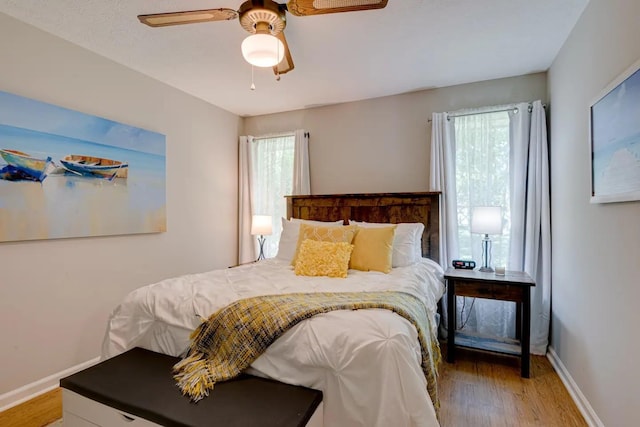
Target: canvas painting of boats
(95, 166)
(22, 166)
(67, 174)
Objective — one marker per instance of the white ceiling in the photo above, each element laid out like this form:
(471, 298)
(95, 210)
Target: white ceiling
(410, 45)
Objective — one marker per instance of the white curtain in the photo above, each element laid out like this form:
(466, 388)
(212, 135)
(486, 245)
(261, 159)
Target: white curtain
(531, 245)
(527, 208)
(301, 175)
(246, 242)
(271, 167)
(519, 131)
(442, 178)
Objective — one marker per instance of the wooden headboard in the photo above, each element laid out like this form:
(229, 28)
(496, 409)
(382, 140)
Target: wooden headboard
(375, 207)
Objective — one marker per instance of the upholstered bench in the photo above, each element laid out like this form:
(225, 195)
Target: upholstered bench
(136, 388)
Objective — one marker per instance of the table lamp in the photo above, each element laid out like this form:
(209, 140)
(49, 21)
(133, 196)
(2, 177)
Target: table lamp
(261, 226)
(486, 220)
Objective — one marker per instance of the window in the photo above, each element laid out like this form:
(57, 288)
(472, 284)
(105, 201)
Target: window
(496, 156)
(272, 179)
(482, 179)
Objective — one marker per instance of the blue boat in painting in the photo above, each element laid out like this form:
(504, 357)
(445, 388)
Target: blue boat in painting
(22, 166)
(95, 167)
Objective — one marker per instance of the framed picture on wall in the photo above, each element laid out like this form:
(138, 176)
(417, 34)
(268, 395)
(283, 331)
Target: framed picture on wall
(615, 140)
(64, 173)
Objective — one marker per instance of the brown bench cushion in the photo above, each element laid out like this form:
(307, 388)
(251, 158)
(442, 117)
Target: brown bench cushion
(140, 382)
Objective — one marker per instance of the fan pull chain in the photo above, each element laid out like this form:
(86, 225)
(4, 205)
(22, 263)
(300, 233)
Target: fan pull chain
(253, 86)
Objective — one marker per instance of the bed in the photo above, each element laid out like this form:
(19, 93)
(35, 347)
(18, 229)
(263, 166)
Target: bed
(368, 363)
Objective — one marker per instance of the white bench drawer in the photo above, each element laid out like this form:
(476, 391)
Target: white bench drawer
(80, 411)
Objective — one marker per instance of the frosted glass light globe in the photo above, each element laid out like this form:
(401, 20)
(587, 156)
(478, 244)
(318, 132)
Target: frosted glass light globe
(263, 50)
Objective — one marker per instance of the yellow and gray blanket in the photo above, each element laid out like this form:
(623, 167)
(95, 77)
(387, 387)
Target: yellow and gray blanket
(236, 335)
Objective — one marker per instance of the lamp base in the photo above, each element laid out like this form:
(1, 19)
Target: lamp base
(261, 240)
(486, 255)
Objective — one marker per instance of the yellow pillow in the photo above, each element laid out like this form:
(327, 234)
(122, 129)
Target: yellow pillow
(323, 258)
(324, 234)
(373, 249)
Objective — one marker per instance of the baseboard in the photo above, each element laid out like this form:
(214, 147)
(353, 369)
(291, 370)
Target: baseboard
(581, 401)
(36, 388)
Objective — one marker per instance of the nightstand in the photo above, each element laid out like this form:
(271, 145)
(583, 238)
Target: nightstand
(513, 286)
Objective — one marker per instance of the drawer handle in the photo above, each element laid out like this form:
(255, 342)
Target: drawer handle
(127, 418)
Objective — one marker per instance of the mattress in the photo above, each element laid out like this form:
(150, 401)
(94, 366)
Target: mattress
(366, 362)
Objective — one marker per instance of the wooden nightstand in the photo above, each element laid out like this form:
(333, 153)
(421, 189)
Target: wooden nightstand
(513, 286)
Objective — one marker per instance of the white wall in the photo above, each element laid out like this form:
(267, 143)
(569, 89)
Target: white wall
(382, 144)
(55, 295)
(596, 248)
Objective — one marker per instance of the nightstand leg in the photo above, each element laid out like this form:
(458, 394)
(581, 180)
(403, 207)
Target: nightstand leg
(518, 321)
(451, 321)
(526, 330)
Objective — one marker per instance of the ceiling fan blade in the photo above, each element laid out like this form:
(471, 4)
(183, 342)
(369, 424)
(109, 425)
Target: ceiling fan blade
(318, 7)
(188, 17)
(286, 64)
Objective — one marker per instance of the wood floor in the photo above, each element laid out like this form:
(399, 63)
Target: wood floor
(479, 390)
(486, 390)
(37, 412)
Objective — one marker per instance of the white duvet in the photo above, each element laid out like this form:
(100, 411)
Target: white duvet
(366, 362)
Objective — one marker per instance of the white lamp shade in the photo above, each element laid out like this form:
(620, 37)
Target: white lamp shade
(262, 50)
(486, 220)
(261, 225)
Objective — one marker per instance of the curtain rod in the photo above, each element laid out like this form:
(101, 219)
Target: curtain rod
(514, 109)
(279, 135)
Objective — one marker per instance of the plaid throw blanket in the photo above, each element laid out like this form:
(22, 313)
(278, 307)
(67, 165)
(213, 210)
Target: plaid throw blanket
(232, 338)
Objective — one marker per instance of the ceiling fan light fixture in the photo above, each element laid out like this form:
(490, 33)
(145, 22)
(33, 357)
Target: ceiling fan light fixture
(263, 50)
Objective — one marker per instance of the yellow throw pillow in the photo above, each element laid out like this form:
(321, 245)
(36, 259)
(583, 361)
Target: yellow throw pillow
(324, 234)
(318, 258)
(373, 249)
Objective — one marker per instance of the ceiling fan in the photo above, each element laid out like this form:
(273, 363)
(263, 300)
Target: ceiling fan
(265, 20)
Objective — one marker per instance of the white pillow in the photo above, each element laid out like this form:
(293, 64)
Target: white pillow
(407, 242)
(320, 223)
(289, 237)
